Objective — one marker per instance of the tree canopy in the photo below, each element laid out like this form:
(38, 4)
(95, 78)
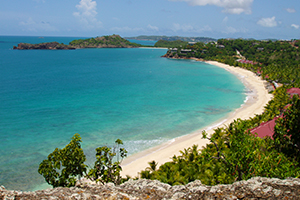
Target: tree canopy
(64, 166)
(112, 41)
(276, 60)
(236, 154)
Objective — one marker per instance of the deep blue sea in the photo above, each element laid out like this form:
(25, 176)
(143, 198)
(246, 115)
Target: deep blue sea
(103, 94)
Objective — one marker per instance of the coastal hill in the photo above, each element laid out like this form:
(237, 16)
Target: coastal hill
(173, 38)
(112, 41)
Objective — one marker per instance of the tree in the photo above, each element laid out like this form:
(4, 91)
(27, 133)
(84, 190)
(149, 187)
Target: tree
(287, 130)
(106, 169)
(64, 165)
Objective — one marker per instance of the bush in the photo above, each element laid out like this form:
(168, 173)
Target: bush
(64, 166)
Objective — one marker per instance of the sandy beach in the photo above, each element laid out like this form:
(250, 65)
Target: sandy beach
(257, 98)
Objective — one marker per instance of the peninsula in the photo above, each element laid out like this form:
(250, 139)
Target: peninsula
(112, 41)
(47, 45)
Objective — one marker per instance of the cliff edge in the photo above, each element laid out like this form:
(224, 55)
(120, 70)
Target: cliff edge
(255, 188)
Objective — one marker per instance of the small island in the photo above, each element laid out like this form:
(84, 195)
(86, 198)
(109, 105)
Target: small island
(47, 45)
(112, 41)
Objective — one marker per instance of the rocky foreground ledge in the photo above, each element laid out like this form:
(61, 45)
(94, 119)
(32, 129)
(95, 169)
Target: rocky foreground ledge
(255, 188)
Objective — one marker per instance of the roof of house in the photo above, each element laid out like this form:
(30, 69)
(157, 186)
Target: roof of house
(265, 129)
(293, 91)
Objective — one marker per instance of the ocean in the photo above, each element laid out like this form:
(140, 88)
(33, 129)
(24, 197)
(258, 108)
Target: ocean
(103, 94)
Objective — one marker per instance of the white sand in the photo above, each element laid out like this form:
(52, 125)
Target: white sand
(256, 100)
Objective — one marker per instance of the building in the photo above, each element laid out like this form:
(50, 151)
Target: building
(293, 91)
(267, 128)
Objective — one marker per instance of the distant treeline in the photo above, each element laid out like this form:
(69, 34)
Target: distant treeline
(173, 38)
(170, 44)
(277, 61)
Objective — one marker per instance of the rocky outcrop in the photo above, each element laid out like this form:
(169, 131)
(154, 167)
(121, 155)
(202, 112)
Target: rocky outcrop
(47, 45)
(255, 188)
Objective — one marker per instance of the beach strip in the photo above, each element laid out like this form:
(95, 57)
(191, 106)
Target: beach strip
(257, 98)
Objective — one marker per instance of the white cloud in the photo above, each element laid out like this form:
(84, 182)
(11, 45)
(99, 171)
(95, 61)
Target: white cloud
(189, 28)
(126, 29)
(184, 28)
(225, 19)
(153, 28)
(33, 26)
(230, 6)
(231, 30)
(295, 26)
(87, 11)
(290, 10)
(267, 22)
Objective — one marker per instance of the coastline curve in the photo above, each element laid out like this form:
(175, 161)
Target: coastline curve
(254, 104)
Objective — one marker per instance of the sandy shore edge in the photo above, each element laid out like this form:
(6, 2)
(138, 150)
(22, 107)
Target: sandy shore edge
(257, 98)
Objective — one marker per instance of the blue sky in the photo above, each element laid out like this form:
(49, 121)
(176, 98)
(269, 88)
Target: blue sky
(259, 19)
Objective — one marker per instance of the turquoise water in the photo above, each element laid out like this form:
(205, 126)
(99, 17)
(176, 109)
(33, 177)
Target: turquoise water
(144, 42)
(102, 94)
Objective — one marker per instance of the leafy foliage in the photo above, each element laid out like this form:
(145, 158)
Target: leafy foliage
(170, 44)
(235, 154)
(105, 169)
(287, 130)
(113, 41)
(276, 60)
(64, 165)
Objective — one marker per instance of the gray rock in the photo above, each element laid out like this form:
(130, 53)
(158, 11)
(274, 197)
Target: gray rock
(255, 188)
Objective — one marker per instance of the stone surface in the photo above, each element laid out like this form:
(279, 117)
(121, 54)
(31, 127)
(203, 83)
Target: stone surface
(255, 188)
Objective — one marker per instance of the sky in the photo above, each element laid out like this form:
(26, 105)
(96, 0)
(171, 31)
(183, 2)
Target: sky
(258, 19)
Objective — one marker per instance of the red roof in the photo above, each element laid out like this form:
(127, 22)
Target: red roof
(293, 91)
(246, 61)
(265, 129)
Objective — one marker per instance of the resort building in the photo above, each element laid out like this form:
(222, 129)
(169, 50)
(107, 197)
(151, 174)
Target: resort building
(267, 128)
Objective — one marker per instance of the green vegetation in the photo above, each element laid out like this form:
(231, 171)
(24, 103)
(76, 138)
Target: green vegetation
(113, 41)
(64, 166)
(47, 45)
(235, 154)
(170, 44)
(287, 131)
(173, 38)
(278, 61)
(105, 170)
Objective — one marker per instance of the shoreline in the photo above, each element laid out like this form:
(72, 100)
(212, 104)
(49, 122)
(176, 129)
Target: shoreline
(254, 104)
